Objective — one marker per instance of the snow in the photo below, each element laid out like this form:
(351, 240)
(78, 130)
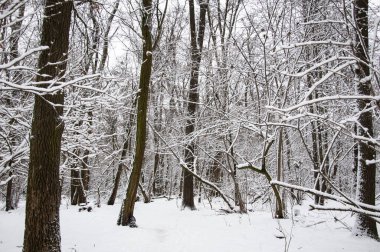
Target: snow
(164, 227)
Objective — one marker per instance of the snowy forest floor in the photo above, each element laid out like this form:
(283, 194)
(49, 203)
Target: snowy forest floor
(162, 226)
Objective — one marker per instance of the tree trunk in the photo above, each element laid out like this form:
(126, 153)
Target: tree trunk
(196, 50)
(85, 177)
(124, 152)
(9, 196)
(76, 183)
(42, 230)
(280, 175)
(119, 172)
(366, 173)
(126, 215)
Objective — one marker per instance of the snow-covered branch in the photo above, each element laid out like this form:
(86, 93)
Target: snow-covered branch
(319, 42)
(184, 166)
(26, 54)
(326, 98)
(345, 209)
(364, 206)
(54, 85)
(205, 181)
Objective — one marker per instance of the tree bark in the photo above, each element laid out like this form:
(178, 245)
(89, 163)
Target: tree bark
(126, 214)
(42, 230)
(366, 173)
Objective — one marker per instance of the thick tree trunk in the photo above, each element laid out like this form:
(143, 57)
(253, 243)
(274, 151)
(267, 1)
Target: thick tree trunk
(366, 173)
(42, 230)
(126, 214)
(196, 50)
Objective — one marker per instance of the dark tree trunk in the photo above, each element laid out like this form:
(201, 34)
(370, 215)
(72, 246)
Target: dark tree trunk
(155, 169)
(366, 177)
(74, 185)
(215, 172)
(9, 196)
(196, 50)
(42, 230)
(126, 214)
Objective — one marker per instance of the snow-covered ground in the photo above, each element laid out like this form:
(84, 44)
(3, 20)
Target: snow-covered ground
(164, 227)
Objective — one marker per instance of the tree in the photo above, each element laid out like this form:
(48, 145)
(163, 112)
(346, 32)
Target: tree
(366, 170)
(193, 98)
(124, 152)
(42, 228)
(126, 213)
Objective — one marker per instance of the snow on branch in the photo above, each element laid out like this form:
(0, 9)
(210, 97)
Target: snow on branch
(7, 180)
(319, 42)
(327, 76)
(184, 166)
(250, 166)
(326, 21)
(326, 98)
(12, 8)
(334, 58)
(205, 181)
(58, 85)
(12, 158)
(346, 209)
(26, 54)
(356, 204)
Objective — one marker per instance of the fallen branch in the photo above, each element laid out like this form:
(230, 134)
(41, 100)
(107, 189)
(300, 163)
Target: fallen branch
(346, 209)
(363, 206)
(314, 224)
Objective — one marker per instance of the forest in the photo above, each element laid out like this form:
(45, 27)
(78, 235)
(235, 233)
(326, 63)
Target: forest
(207, 125)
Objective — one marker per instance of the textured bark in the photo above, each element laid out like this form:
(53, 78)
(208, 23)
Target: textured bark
(196, 50)
(126, 214)
(42, 230)
(366, 173)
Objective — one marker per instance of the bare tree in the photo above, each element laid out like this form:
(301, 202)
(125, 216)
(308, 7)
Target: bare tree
(196, 56)
(126, 217)
(366, 168)
(42, 229)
